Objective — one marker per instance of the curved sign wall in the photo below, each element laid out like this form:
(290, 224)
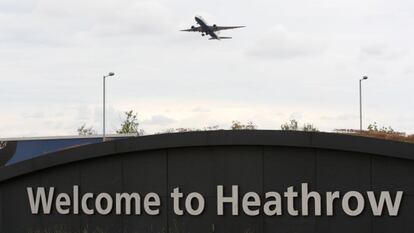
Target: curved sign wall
(218, 181)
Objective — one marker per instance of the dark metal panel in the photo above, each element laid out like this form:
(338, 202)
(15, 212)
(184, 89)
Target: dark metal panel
(62, 178)
(212, 138)
(145, 223)
(361, 144)
(284, 167)
(403, 223)
(259, 138)
(288, 224)
(343, 171)
(16, 212)
(1, 208)
(145, 172)
(98, 176)
(393, 174)
(201, 161)
(202, 169)
(209, 222)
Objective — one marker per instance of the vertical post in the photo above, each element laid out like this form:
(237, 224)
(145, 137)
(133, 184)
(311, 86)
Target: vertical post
(360, 101)
(360, 105)
(103, 122)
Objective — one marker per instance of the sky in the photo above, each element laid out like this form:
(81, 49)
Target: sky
(295, 59)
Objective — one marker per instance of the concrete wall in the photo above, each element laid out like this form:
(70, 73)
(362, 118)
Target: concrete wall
(258, 161)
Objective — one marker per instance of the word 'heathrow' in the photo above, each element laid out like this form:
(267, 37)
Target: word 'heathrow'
(290, 202)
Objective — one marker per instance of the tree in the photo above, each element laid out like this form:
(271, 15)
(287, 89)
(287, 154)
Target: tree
(373, 127)
(236, 125)
(84, 131)
(130, 124)
(182, 130)
(292, 125)
(211, 128)
(309, 128)
(178, 130)
(375, 131)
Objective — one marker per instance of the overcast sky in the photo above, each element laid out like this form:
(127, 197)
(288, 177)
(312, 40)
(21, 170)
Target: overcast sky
(295, 59)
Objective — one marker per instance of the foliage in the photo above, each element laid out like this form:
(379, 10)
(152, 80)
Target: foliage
(181, 130)
(210, 128)
(309, 128)
(130, 124)
(373, 127)
(178, 130)
(373, 130)
(294, 126)
(84, 131)
(236, 125)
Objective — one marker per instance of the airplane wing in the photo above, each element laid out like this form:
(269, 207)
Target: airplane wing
(193, 29)
(219, 28)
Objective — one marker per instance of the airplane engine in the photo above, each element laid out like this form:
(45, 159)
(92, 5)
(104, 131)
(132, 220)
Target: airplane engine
(192, 27)
(214, 25)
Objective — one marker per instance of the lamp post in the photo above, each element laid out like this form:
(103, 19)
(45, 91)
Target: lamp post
(103, 124)
(360, 101)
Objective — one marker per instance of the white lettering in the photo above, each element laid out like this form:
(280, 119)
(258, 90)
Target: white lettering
(233, 199)
(40, 199)
(76, 199)
(63, 200)
(360, 203)
(84, 204)
(152, 200)
(290, 195)
(128, 200)
(276, 202)
(393, 208)
(176, 195)
(305, 201)
(330, 198)
(109, 203)
(189, 207)
(253, 203)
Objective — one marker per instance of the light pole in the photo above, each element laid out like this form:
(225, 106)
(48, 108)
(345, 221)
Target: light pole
(360, 101)
(103, 124)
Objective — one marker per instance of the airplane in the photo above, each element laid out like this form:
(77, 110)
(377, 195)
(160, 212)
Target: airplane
(206, 29)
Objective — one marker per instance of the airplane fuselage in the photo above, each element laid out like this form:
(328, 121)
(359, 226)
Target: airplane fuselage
(210, 30)
(206, 28)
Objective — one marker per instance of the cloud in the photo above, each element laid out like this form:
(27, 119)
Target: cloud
(153, 18)
(201, 109)
(296, 115)
(159, 120)
(381, 52)
(53, 23)
(340, 117)
(55, 52)
(16, 7)
(278, 43)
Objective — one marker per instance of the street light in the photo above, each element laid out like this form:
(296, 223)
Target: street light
(103, 129)
(360, 101)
